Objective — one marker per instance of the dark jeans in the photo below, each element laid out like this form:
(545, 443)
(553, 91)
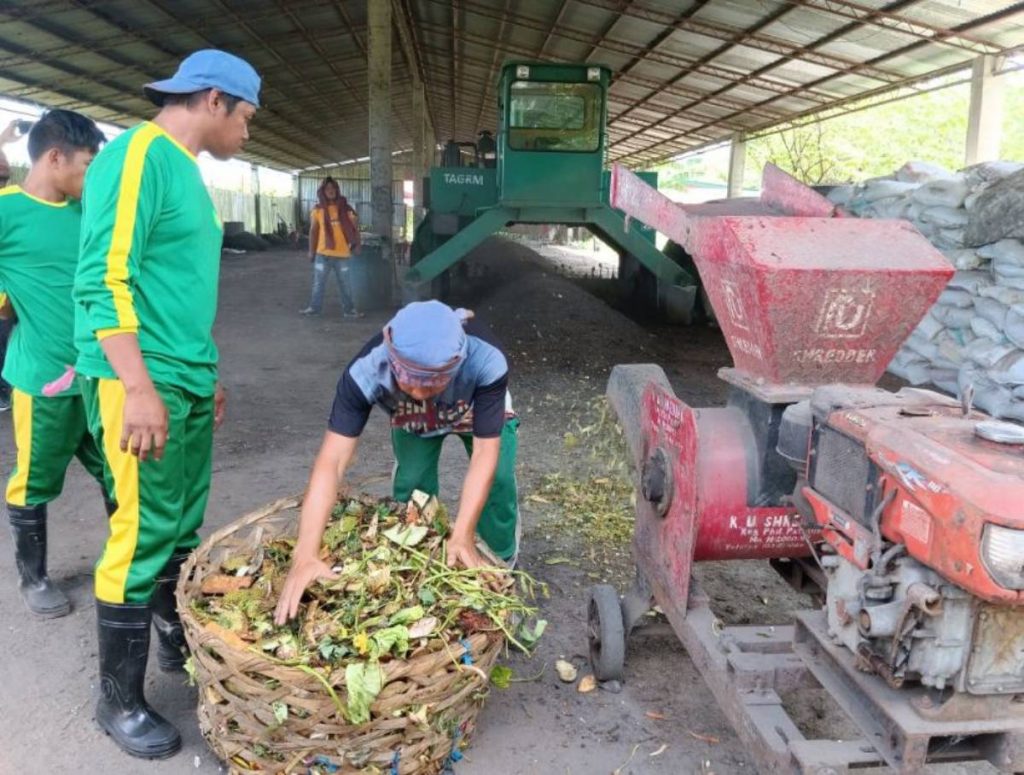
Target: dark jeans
(341, 269)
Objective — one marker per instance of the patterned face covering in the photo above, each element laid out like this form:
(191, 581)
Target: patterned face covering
(426, 343)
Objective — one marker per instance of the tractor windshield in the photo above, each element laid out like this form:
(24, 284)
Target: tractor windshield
(555, 116)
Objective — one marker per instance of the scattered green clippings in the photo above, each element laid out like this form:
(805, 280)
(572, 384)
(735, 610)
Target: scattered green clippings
(501, 676)
(595, 498)
(558, 561)
(529, 634)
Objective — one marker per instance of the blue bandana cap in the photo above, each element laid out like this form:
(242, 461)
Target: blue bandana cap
(426, 339)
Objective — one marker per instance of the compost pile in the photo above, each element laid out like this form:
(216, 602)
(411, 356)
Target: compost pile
(974, 335)
(388, 662)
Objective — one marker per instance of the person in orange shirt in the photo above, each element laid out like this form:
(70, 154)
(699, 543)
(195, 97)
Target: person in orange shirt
(333, 240)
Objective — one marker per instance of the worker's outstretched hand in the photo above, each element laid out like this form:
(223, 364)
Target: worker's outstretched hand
(304, 572)
(462, 553)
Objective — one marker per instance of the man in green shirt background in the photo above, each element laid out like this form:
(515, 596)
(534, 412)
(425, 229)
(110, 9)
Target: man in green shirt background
(146, 298)
(10, 133)
(39, 229)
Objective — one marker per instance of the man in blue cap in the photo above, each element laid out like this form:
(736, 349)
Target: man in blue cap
(146, 297)
(436, 372)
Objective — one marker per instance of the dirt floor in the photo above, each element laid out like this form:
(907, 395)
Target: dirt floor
(281, 370)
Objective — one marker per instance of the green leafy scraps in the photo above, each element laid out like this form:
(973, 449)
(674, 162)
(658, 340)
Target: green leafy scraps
(363, 682)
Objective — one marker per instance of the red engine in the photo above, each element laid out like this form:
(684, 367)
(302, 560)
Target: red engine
(910, 505)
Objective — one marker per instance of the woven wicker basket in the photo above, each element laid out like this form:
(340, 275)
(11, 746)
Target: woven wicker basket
(239, 686)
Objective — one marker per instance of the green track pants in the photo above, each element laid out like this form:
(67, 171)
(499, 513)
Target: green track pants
(160, 503)
(48, 433)
(416, 460)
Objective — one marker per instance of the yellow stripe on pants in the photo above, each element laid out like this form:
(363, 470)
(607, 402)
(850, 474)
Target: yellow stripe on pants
(112, 569)
(17, 487)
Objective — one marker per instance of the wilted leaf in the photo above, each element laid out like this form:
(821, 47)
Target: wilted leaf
(280, 712)
(407, 615)
(289, 648)
(234, 564)
(501, 676)
(528, 635)
(420, 499)
(406, 536)
(221, 584)
(378, 578)
(566, 671)
(331, 651)
(390, 639)
(226, 636)
(423, 627)
(363, 682)
(431, 510)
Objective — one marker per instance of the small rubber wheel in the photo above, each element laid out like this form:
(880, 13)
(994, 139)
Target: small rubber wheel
(606, 633)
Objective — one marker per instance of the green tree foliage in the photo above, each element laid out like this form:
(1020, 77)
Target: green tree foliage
(875, 141)
(870, 142)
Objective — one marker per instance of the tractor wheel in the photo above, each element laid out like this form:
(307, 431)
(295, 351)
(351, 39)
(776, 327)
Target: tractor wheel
(606, 633)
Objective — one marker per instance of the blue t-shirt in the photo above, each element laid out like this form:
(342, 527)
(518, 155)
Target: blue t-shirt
(476, 400)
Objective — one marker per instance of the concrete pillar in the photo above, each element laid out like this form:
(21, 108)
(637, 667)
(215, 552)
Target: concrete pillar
(737, 162)
(379, 64)
(985, 115)
(300, 216)
(430, 142)
(256, 198)
(419, 144)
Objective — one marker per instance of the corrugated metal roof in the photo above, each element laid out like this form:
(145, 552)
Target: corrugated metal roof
(686, 72)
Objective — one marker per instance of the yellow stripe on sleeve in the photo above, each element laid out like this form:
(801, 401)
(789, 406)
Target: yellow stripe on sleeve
(103, 333)
(116, 278)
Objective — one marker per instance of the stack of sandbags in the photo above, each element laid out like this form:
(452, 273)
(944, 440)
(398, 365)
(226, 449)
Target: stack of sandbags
(974, 335)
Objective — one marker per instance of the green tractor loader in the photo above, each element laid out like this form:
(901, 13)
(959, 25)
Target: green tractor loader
(546, 166)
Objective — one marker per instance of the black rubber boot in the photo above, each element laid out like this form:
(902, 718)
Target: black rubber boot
(28, 528)
(122, 711)
(173, 650)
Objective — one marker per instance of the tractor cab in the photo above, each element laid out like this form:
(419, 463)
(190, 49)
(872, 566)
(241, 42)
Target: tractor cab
(546, 166)
(552, 128)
